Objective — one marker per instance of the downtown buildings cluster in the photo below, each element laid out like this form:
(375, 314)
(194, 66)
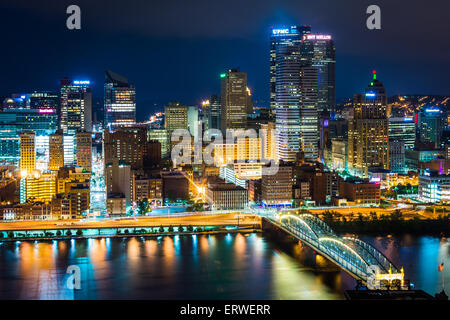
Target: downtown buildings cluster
(59, 161)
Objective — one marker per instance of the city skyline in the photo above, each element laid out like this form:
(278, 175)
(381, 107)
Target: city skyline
(239, 150)
(189, 63)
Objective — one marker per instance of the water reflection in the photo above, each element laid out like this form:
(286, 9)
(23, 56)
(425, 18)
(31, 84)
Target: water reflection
(420, 258)
(224, 266)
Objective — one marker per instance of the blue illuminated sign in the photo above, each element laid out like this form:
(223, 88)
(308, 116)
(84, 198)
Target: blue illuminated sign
(432, 110)
(370, 94)
(280, 31)
(81, 82)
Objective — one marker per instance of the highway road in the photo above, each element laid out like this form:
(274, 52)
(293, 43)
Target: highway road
(192, 219)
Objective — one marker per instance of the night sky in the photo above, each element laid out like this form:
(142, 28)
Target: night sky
(176, 49)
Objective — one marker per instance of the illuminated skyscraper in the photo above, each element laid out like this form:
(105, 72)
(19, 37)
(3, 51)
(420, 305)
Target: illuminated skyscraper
(84, 150)
(175, 117)
(368, 133)
(309, 117)
(46, 102)
(27, 152)
(120, 101)
(269, 141)
(318, 51)
(69, 149)
(403, 129)
(432, 121)
(127, 144)
(163, 137)
(282, 37)
(56, 151)
(212, 113)
(76, 106)
(288, 99)
(234, 98)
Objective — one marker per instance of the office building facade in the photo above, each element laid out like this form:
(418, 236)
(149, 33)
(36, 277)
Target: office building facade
(368, 134)
(279, 39)
(318, 51)
(403, 129)
(75, 106)
(120, 101)
(233, 100)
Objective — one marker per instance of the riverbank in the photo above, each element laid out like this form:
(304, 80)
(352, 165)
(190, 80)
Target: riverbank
(50, 235)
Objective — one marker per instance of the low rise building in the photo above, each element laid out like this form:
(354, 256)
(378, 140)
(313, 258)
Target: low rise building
(226, 196)
(433, 187)
(175, 186)
(116, 204)
(149, 188)
(360, 191)
(276, 189)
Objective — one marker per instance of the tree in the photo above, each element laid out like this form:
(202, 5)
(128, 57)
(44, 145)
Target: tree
(79, 232)
(360, 217)
(328, 217)
(69, 233)
(397, 215)
(143, 206)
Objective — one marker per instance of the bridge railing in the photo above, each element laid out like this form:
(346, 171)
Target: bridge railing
(373, 253)
(352, 254)
(341, 257)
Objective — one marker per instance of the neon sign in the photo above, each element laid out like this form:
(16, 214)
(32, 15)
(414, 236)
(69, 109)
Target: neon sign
(370, 94)
(81, 82)
(432, 110)
(280, 31)
(46, 110)
(317, 37)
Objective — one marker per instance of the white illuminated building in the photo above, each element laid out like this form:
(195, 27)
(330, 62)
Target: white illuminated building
(69, 150)
(42, 148)
(433, 187)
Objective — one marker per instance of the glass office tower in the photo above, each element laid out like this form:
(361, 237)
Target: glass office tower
(318, 51)
(280, 38)
(76, 106)
(120, 101)
(432, 121)
(288, 101)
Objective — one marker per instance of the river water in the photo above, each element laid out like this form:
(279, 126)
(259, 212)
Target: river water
(221, 266)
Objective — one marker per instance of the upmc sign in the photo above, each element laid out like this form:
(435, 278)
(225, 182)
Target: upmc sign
(280, 31)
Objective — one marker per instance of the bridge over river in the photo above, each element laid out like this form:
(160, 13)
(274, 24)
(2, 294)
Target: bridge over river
(358, 258)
